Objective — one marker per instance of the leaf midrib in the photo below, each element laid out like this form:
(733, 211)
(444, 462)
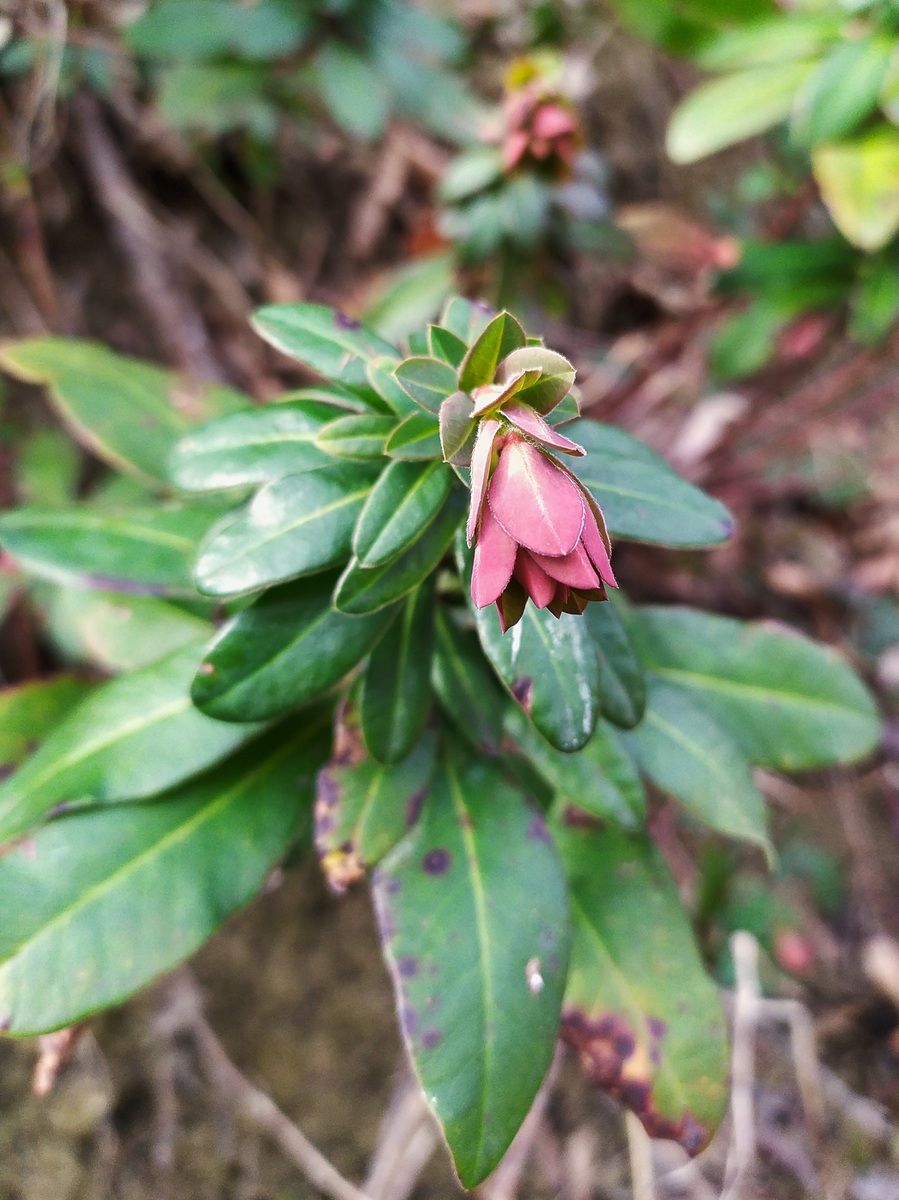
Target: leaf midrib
(719, 684)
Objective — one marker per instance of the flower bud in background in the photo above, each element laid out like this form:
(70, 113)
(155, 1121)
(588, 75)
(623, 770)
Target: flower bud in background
(542, 130)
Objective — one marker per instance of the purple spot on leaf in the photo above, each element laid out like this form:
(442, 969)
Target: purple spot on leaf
(437, 861)
(430, 1038)
(413, 808)
(537, 830)
(342, 321)
(407, 967)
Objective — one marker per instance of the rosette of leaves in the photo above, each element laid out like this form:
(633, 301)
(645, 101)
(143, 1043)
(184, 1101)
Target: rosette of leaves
(307, 672)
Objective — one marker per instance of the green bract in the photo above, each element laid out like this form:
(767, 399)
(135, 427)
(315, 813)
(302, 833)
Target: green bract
(304, 666)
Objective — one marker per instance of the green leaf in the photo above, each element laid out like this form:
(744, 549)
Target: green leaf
(858, 184)
(874, 304)
(286, 649)
(843, 91)
(427, 380)
(367, 589)
(639, 1006)
(458, 429)
(355, 436)
(549, 665)
(416, 439)
(363, 807)
(785, 38)
(388, 387)
(294, 526)
(408, 295)
(445, 344)
(129, 739)
(476, 169)
(334, 345)
(555, 382)
(492, 966)
(406, 498)
(126, 412)
(251, 447)
(642, 498)
(354, 91)
(600, 779)
(47, 469)
(733, 108)
(164, 876)
(148, 550)
(29, 711)
(786, 701)
(622, 684)
(687, 754)
(466, 687)
(115, 632)
(496, 342)
(395, 698)
(467, 319)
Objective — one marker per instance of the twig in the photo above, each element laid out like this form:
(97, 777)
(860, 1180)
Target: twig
(406, 1116)
(742, 1151)
(639, 1149)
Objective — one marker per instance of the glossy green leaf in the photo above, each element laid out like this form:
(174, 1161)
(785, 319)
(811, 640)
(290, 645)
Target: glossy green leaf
(427, 380)
(688, 755)
(549, 665)
(642, 498)
(355, 436)
(466, 687)
(395, 698)
(554, 383)
(250, 447)
(286, 649)
(293, 526)
(47, 468)
(406, 498)
(601, 779)
(126, 412)
(842, 92)
(408, 294)
(495, 342)
(640, 1009)
(163, 876)
(129, 739)
(467, 319)
(416, 439)
(146, 550)
(492, 966)
(445, 344)
(334, 345)
(786, 38)
(786, 701)
(367, 589)
(385, 383)
(458, 429)
(112, 631)
(857, 179)
(363, 807)
(29, 711)
(622, 684)
(733, 108)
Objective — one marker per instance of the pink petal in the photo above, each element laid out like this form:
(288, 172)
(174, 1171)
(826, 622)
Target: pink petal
(551, 121)
(534, 579)
(480, 469)
(535, 502)
(592, 541)
(574, 569)
(514, 150)
(541, 431)
(494, 559)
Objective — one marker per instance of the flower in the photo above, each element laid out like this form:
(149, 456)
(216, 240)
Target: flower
(537, 531)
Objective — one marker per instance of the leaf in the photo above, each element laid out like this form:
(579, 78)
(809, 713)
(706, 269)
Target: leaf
(467, 319)
(688, 755)
(842, 92)
(406, 296)
(642, 498)
(406, 498)
(129, 739)
(600, 779)
(147, 550)
(363, 807)
(555, 382)
(30, 710)
(427, 380)
(294, 526)
(798, 36)
(367, 589)
(496, 341)
(284, 650)
(458, 429)
(466, 687)
(417, 438)
(395, 698)
(493, 966)
(47, 469)
(388, 387)
(164, 876)
(858, 184)
(115, 632)
(639, 1007)
(332, 344)
(735, 107)
(356, 436)
(874, 304)
(251, 447)
(445, 344)
(549, 665)
(353, 90)
(622, 684)
(786, 701)
(126, 412)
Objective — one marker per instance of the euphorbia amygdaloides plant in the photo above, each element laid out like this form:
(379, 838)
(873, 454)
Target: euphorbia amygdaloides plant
(371, 618)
